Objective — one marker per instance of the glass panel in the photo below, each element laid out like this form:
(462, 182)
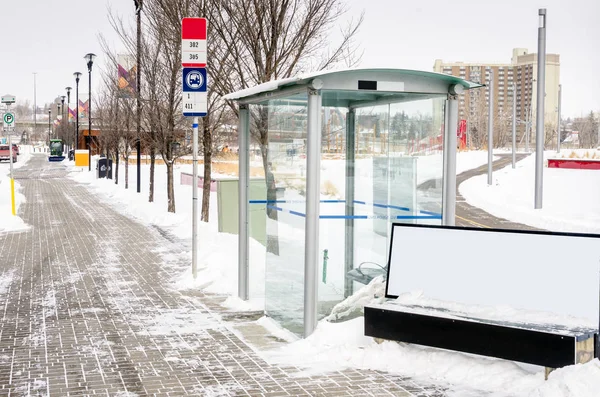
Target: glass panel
(418, 129)
(332, 222)
(285, 165)
(392, 174)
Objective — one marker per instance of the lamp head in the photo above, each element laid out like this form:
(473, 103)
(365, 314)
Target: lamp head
(62, 98)
(89, 57)
(77, 76)
(68, 90)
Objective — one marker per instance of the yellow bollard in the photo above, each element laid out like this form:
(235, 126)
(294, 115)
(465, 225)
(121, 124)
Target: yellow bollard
(12, 195)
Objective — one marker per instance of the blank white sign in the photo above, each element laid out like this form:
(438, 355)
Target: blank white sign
(557, 273)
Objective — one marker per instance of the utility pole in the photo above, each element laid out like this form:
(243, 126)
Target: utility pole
(514, 126)
(539, 121)
(34, 107)
(491, 126)
(558, 129)
(138, 83)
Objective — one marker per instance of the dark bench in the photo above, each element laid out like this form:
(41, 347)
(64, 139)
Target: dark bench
(539, 344)
(415, 265)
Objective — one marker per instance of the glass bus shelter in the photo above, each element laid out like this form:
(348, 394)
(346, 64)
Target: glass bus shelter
(343, 155)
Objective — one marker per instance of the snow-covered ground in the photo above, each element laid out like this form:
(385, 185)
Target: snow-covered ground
(571, 198)
(568, 202)
(8, 222)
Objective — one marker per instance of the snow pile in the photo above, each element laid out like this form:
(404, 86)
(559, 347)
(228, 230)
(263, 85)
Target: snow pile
(353, 306)
(582, 380)
(335, 346)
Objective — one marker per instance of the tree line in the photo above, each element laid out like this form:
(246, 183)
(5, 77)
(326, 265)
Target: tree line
(249, 43)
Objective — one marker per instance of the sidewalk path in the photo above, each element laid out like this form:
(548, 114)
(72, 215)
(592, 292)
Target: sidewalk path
(468, 215)
(87, 310)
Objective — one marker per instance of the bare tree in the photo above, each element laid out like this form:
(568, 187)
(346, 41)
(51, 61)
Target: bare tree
(276, 39)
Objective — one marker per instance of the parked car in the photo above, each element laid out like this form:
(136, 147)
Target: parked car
(5, 153)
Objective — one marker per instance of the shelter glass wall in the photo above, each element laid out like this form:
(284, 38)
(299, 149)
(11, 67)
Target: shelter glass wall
(387, 168)
(379, 164)
(286, 186)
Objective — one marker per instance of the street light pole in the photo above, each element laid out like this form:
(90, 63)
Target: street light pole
(62, 114)
(541, 94)
(34, 107)
(68, 89)
(138, 10)
(491, 127)
(514, 126)
(77, 75)
(90, 58)
(558, 135)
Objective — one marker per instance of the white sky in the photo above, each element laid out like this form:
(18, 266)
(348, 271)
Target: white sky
(51, 37)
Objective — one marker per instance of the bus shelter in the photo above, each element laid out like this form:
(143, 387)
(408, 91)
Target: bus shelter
(343, 155)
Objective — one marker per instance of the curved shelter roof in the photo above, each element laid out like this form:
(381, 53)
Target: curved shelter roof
(372, 84)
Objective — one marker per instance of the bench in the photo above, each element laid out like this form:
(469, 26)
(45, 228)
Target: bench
(550, 345)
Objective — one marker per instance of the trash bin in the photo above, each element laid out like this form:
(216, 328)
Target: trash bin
(71, 154)
(104, 168)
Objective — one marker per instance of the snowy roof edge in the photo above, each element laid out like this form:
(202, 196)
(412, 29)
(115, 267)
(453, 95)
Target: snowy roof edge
(273, 85)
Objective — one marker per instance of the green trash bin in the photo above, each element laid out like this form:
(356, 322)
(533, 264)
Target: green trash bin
(228, 210)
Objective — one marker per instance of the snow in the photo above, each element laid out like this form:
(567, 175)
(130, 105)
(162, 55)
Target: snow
(570, 203)
(8, 222)
(570, 197)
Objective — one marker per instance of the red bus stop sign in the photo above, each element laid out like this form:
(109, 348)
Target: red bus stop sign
(193, 42)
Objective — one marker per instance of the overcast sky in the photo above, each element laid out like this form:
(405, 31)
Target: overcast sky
(50, 37)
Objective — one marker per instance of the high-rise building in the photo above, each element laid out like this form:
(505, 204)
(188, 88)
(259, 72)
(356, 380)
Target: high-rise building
(520, 73)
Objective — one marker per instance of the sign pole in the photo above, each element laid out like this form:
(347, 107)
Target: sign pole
(195, 200)
(195, 103)
(9, 120)
(12, 179)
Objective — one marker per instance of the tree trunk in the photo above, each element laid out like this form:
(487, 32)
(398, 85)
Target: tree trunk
(117, 165)
(207, 143)
(152, 162)
(126, 169)
(170, 191)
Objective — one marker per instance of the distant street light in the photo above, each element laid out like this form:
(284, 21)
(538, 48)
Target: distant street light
(62, 108)
(68, 89)
(90, 62)
(77, 75)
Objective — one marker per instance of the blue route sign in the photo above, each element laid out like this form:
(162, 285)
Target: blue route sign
(195, 100)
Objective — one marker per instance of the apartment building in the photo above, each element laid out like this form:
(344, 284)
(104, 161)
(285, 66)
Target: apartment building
(519, 74)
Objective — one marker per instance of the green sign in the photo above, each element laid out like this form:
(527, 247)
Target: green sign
(9, 118)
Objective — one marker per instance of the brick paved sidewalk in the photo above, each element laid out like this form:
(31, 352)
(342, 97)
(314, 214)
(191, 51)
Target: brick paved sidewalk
(87, 311)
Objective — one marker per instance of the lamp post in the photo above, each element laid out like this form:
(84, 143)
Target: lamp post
(77, 75)
(34, 108)
(90, 61)
(139, 4)
(62, 114)
(62, 108)
(68, 89)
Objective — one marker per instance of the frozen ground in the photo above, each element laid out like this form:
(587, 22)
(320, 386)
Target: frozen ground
(339, 345)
